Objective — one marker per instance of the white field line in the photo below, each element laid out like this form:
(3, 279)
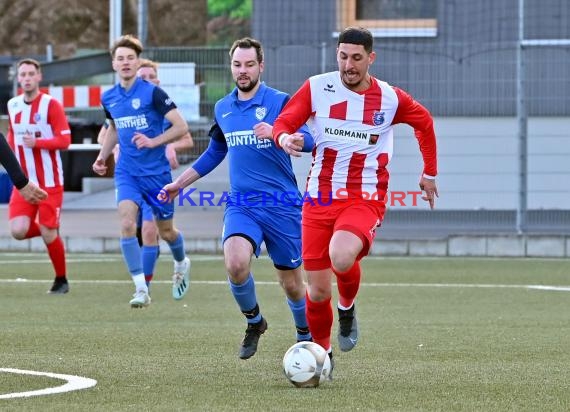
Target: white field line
(273, 283)
(92, 259)
(79, 258)
(41, 257)
(73, 383)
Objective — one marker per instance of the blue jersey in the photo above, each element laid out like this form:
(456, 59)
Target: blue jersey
(260, 173)
(140, 109)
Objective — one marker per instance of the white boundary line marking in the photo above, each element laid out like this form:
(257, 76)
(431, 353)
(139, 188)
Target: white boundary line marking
(89, 257)
(558, 288)
(73, 383)
(103, 257)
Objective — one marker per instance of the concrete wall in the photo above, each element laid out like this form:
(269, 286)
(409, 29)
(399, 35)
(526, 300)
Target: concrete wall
(551, 246)
(478, 164)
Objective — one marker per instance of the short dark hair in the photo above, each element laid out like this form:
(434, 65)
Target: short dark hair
(130, 42)
(357, 35)
(248, 43)
(33, 62)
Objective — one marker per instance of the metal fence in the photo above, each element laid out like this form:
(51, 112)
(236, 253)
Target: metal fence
(212, 70)
(468, 74)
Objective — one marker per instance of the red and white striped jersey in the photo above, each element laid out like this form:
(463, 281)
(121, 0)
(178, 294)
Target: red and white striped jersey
(45, 119)
(353, 134)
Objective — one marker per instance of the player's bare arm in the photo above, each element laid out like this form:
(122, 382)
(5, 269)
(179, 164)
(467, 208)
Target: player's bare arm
(100, 166)
(184, 143)
(171, 190)
(102, 135)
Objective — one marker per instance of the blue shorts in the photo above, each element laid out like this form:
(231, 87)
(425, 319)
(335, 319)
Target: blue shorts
(279, 228)
(145, 214)
(144, 189)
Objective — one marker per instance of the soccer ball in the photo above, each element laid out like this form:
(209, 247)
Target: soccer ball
(306, 364)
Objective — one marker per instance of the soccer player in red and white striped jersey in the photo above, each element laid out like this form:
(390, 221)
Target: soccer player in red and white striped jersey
(37, 131)
(351, 115)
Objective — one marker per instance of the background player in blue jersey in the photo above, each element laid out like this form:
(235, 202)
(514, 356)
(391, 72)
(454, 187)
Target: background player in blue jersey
(136, 110)
(263, 203)
(147, 232)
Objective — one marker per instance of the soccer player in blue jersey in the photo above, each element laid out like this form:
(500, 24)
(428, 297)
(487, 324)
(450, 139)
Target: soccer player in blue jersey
(136, 110)
(147, 232)
(264, 201)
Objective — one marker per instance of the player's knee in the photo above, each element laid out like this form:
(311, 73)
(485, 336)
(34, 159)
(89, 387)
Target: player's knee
(344, 248)
(149, 235)
(167, 233)
(128, 228)
(238, 269)
(342, 260)
(319, 293)
(18, 233)
(292, 282)
(49, 235)
(293, 288)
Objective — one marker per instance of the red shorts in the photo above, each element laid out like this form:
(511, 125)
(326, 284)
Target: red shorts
(47, 211)
(359, 216)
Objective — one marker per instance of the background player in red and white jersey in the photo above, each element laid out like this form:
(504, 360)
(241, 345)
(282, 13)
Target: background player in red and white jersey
(37, 131)
(29, 190)
(351, 115)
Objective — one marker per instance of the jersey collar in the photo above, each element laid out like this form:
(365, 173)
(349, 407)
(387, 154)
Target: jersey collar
(256, 100)
(135, 85)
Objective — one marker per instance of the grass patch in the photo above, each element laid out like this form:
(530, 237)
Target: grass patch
(436, 334)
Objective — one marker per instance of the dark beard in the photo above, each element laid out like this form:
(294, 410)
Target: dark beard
(247, 88)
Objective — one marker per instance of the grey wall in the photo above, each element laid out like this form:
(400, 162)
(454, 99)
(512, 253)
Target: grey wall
(469, 69)
(478, 163)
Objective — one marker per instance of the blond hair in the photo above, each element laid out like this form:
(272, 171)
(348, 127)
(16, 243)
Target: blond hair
(130, 42)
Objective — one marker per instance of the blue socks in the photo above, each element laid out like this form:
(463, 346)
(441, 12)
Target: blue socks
(298, 311)
(177, 248)
(132, 255)
(149, 256)
(246, 298)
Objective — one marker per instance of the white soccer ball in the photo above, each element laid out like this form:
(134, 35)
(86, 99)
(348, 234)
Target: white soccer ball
(306, 364)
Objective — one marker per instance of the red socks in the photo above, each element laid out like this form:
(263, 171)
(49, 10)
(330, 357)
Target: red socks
(348, 284)
(320, 320)
(56, 252)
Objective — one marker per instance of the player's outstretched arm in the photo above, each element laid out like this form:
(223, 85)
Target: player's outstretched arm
(171, 190)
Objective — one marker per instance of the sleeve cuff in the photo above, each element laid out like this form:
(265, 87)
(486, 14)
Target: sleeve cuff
(280, 139)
